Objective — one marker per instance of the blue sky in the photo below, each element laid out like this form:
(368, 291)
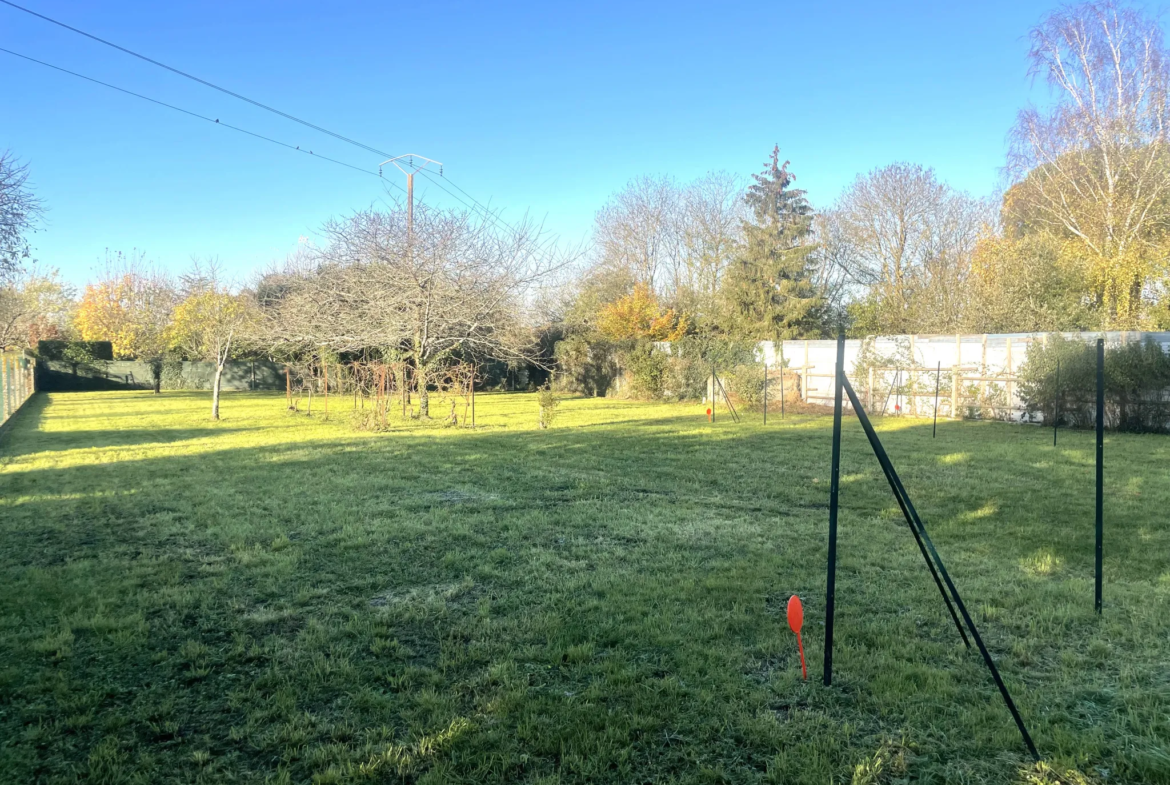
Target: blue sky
(545, 108)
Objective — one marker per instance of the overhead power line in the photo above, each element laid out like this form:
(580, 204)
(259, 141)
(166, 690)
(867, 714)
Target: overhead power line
(475, 203)
(189, 113)
(475, 206)
(194, 78)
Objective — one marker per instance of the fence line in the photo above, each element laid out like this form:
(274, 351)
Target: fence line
(980, 373)
(60, 375)
(17, 382)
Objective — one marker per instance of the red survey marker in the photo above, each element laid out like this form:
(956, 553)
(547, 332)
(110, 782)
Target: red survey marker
(796, 621)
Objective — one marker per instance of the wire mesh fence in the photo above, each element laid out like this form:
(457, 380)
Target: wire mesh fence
(993, 377)
(17, 382)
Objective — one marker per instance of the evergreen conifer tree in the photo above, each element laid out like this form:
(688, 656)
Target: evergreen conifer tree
(769, 289)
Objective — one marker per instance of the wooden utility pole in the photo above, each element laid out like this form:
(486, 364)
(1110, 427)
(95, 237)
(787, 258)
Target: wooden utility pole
(409, 164)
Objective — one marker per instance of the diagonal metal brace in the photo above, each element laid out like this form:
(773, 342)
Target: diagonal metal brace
(727, 400)
(916, 523)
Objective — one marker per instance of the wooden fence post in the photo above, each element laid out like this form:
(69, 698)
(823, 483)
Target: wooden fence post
(804, 376)
(955, 377)
(956, 380)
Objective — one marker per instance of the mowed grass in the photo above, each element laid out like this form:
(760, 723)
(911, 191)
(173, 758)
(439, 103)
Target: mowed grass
(275, 598)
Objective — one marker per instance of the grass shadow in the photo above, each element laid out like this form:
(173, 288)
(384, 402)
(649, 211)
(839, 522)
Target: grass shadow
(599, 603)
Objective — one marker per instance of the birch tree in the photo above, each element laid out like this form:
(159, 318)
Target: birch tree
(904, 239)
(1093, 169)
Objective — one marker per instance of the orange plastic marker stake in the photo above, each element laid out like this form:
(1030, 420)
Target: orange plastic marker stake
(796, 621)
(708, 415)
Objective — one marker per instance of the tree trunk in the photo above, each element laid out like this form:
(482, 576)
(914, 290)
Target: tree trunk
(420, 381)
(215, 391)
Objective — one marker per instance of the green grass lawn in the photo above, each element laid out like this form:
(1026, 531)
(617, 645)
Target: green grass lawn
(274, 598)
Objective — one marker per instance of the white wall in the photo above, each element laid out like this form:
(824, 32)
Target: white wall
(997, 356)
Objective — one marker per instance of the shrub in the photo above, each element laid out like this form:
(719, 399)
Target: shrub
(84, 351)
(647, 369)
(590, 364)
(85, 354)
(586, 365)
(172, 373)
(745, 385)
(690, 360)
(1136, 379)
(1137, 376)
(548, 406)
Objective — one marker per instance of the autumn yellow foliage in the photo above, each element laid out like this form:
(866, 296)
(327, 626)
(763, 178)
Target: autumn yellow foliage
(639, 315)
(109, 311)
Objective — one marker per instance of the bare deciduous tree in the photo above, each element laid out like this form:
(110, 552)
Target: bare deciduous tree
(712, 214)
(899, 233)
(676, 239)
(834, 251)
(1095, 167)
(19, 212)
(456, 285)
(636, 231)
(34, 304)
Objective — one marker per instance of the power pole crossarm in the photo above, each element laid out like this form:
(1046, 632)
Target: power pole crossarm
(409, 164)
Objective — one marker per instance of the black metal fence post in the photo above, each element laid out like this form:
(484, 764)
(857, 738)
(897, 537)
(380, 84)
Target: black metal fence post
(1056, 405)
(834, 488)
(765, 392)
(1100, 467)
(712, 392)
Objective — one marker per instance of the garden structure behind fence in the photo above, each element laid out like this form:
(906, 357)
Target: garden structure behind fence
(1012, 377)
